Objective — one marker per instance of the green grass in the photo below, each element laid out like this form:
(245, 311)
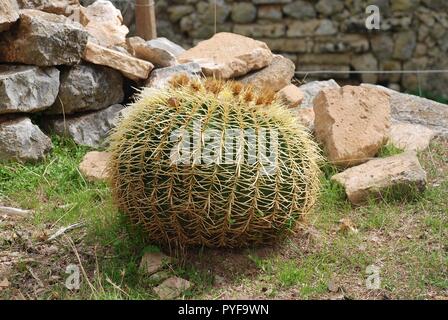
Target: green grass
(406, 238)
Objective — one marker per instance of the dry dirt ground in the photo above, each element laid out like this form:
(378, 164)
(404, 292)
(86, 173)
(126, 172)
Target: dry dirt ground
(328, 258)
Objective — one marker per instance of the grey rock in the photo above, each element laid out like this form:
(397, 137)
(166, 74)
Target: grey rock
(27, 88)
(329, 7)
(21, 140)
(299, 10)
(244, 12)
(89, 129)
(43, 39)
(412, 109)
(405, 43)
(160, 77)
(87, 87)
(312, 89)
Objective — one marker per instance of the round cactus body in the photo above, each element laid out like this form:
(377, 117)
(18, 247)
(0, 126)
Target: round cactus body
(212, 163)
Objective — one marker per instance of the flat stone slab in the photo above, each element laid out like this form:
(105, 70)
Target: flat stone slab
(228, 55)
(44, 39)
(377, 176)
(27, 88)
(21, 140)
(132, 68)
(153, 261)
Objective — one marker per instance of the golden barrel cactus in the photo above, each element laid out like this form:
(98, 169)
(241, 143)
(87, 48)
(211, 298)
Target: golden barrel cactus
(212, 163)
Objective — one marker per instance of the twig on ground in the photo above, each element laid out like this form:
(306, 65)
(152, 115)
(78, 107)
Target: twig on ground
(64, 230)
(15, 212)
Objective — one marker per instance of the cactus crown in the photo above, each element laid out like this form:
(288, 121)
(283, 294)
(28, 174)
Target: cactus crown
(212, 163)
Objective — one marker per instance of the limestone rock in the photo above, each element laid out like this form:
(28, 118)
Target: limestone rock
(104, 23)
(243, 12)
(43, 39)
(61, 7)
(352, 123)
(291, 96)
(172, 288)
(312, 89)
(417, 110)
(94, 166)
(89, 129)
(228, 55)
(9, 13)
(130, 67)
(305, 116)
(160, 77)
(87, 87)
(21, 140)
(27, 88)
(153, 262)
(410, 137)
(277, 75)
(161, 51)
(377, 176)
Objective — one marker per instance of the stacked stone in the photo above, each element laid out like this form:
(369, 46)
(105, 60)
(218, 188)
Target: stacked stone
(67, 69)
(327, 34)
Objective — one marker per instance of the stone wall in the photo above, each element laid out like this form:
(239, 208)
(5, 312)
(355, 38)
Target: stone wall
(324, 34)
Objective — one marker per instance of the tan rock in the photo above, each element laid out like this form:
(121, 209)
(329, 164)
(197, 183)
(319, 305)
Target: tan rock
(130, 67)
(153, 262)
(9, 13)
(161, 51)
(228, 55)
(291, 96)
(305, 116)
(352, 123)
(276, 76)
(104, 23)
(399, 173)
(172, 288)
(410, 137)
(94, 166)
(61, 7)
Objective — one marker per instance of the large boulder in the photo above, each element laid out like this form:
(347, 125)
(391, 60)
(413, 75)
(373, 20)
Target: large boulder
(87, 87)
(228, 55)
(160, 77)
(89, 129)
(277, 75)
(9, 13)
(132, 68)
(312, 89)
(161, 51)
(352, 123)
(410, 137)
(43, 39)
(417, 110)
(398, 174)
(21, 140)
(27, 88)
(104, 23)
